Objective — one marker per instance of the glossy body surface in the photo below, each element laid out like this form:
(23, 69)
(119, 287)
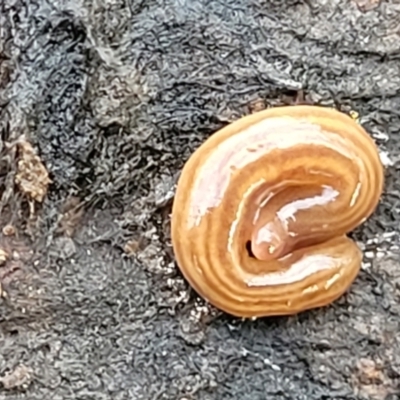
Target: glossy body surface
(263, 206)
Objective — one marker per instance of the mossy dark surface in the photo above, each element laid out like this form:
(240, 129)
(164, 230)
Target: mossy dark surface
(115, 95)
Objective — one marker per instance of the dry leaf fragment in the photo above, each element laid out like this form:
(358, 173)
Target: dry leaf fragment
(32, 177)
(9, 230)
(3, 256)
(20, 377)
(131, 247)
(367, 5)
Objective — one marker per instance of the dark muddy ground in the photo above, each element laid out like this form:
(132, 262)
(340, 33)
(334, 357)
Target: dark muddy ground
(114, 95)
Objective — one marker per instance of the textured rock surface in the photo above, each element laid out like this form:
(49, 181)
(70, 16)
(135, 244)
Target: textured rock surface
(115, 95)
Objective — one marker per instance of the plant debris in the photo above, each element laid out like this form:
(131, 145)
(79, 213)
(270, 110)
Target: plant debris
(32, 177)
(20, 377)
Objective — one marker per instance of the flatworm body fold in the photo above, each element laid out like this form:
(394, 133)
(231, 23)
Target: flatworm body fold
(262, 209)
